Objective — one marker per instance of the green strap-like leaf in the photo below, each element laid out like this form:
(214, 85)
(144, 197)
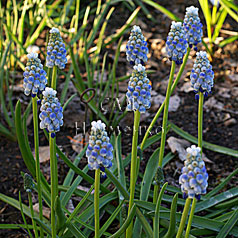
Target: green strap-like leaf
(157, 210)
(207, 145)
(162, 9)
(126, 223)
(172, 222)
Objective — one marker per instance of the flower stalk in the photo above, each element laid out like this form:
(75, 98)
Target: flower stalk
(191, 217)
(54, 185)
(164, 126)
(133, 167)
(54, 78)
(32, 215)
(184, 217)
(96, 202)
(36, 142)
(200, 119)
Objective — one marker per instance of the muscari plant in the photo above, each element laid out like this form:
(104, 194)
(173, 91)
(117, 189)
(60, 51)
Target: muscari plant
(99, 151)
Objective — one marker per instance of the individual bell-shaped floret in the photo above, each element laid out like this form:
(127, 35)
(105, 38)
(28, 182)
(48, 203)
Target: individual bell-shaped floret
(176, 44)
(100, 150)
(202, 75)
(35, 80)
(139, 90)
(136, 48)
(194, 176)
(56, 52)
(192, 27)
(51, 115)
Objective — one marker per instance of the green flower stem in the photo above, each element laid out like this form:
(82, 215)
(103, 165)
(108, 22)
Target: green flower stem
(54, 184)
(184, 218)
(133, 168)
(53, 165)
(36, 141)
(32, 215)
(165, 116)
(190, 217)
(54, 78)
(200, 119)
(162, 105)
(96, 202)
(164, 125)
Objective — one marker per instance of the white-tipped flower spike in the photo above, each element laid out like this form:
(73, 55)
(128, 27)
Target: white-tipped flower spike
(192, 27)
(139, 88)
(56, 52)
(176, 44)
(202, 75)
(51, 115)
(136, 48)
(194, 176)
(99, 151)
(34, 81)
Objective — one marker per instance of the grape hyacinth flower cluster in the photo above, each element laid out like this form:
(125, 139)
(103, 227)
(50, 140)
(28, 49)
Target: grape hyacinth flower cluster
(176, 44)
(136, 48)
(139, 90)
(51, 115)
(35, 80)
(202, 75)
(194, 176)
(100, 150)
(56, 52)
(192, 27)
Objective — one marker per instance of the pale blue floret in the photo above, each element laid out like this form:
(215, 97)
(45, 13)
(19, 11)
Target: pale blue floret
(35, 80)
(136, 48)
(192, 27)
(51, 115)
(202, 75)
(194, 176)
(56, 52)
(139, 90)
(100, 150)
(176, 44)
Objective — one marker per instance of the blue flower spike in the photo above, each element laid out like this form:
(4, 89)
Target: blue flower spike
(139, 90)
(51, 115)
(136, 48)
(35, 80)
(56, 52)
(100, 150)
(192, 27)
(176, 44)
(194, 176)
(202, 75)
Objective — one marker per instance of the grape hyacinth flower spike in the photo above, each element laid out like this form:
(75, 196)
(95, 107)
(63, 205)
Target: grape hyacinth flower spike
(100, 150)
(100, 155)
(139, 90)
(202, 75)
(194, 176)
(176, 44)
(192, 27)
(28, 182)
(56, 52)
(34, 81)
(136, 48)
(51, 115)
